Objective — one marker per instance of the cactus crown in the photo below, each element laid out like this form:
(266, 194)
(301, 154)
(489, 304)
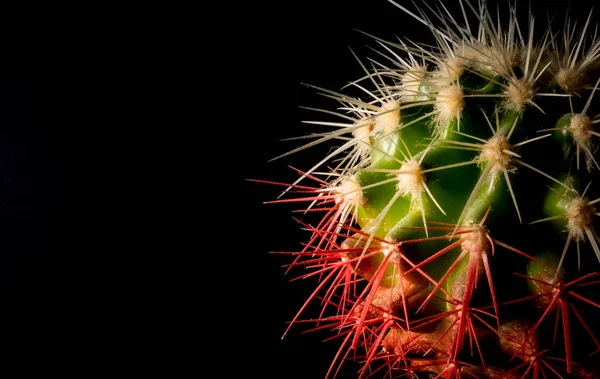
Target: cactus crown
(459, 226)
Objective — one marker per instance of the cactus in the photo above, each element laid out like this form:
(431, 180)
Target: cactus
(457, 223)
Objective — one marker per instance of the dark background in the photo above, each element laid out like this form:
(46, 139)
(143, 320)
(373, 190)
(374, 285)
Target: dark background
(307, 42)
(61, 242)
(91, 210)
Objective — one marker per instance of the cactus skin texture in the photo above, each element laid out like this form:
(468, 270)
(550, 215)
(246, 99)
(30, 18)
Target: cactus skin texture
(458, 226)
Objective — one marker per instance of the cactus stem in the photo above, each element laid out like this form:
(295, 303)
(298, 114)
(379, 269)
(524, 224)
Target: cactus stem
(399, 283)
(377, 222)
(474, 241)
(487, 174)
(370, 292)
(497, 155)
(460, 315)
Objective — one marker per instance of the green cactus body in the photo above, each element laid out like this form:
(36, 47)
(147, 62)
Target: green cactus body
(467, 179)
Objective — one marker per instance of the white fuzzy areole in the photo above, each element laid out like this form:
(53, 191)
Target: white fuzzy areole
(448, 104)
(363, 134)
(389, 118)
(568, 79)
(475, 242)
(518, 93)
(450, 70)
(580, 127)
(469, 52)
(494, 151)
(580, 215)
(411, 83)
(410, 179)
(351, 192)
(388, 248)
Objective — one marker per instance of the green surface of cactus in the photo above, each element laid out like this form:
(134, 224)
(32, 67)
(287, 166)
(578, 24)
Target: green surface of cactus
(458, 234)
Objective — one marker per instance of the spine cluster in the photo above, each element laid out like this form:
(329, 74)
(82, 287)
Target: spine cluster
(458, 229)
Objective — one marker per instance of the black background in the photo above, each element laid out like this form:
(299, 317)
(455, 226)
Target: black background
(98, 225)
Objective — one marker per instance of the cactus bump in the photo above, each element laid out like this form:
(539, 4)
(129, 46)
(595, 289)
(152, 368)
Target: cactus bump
(458, 205)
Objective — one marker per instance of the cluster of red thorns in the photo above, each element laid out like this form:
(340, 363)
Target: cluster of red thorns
(396, 320)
